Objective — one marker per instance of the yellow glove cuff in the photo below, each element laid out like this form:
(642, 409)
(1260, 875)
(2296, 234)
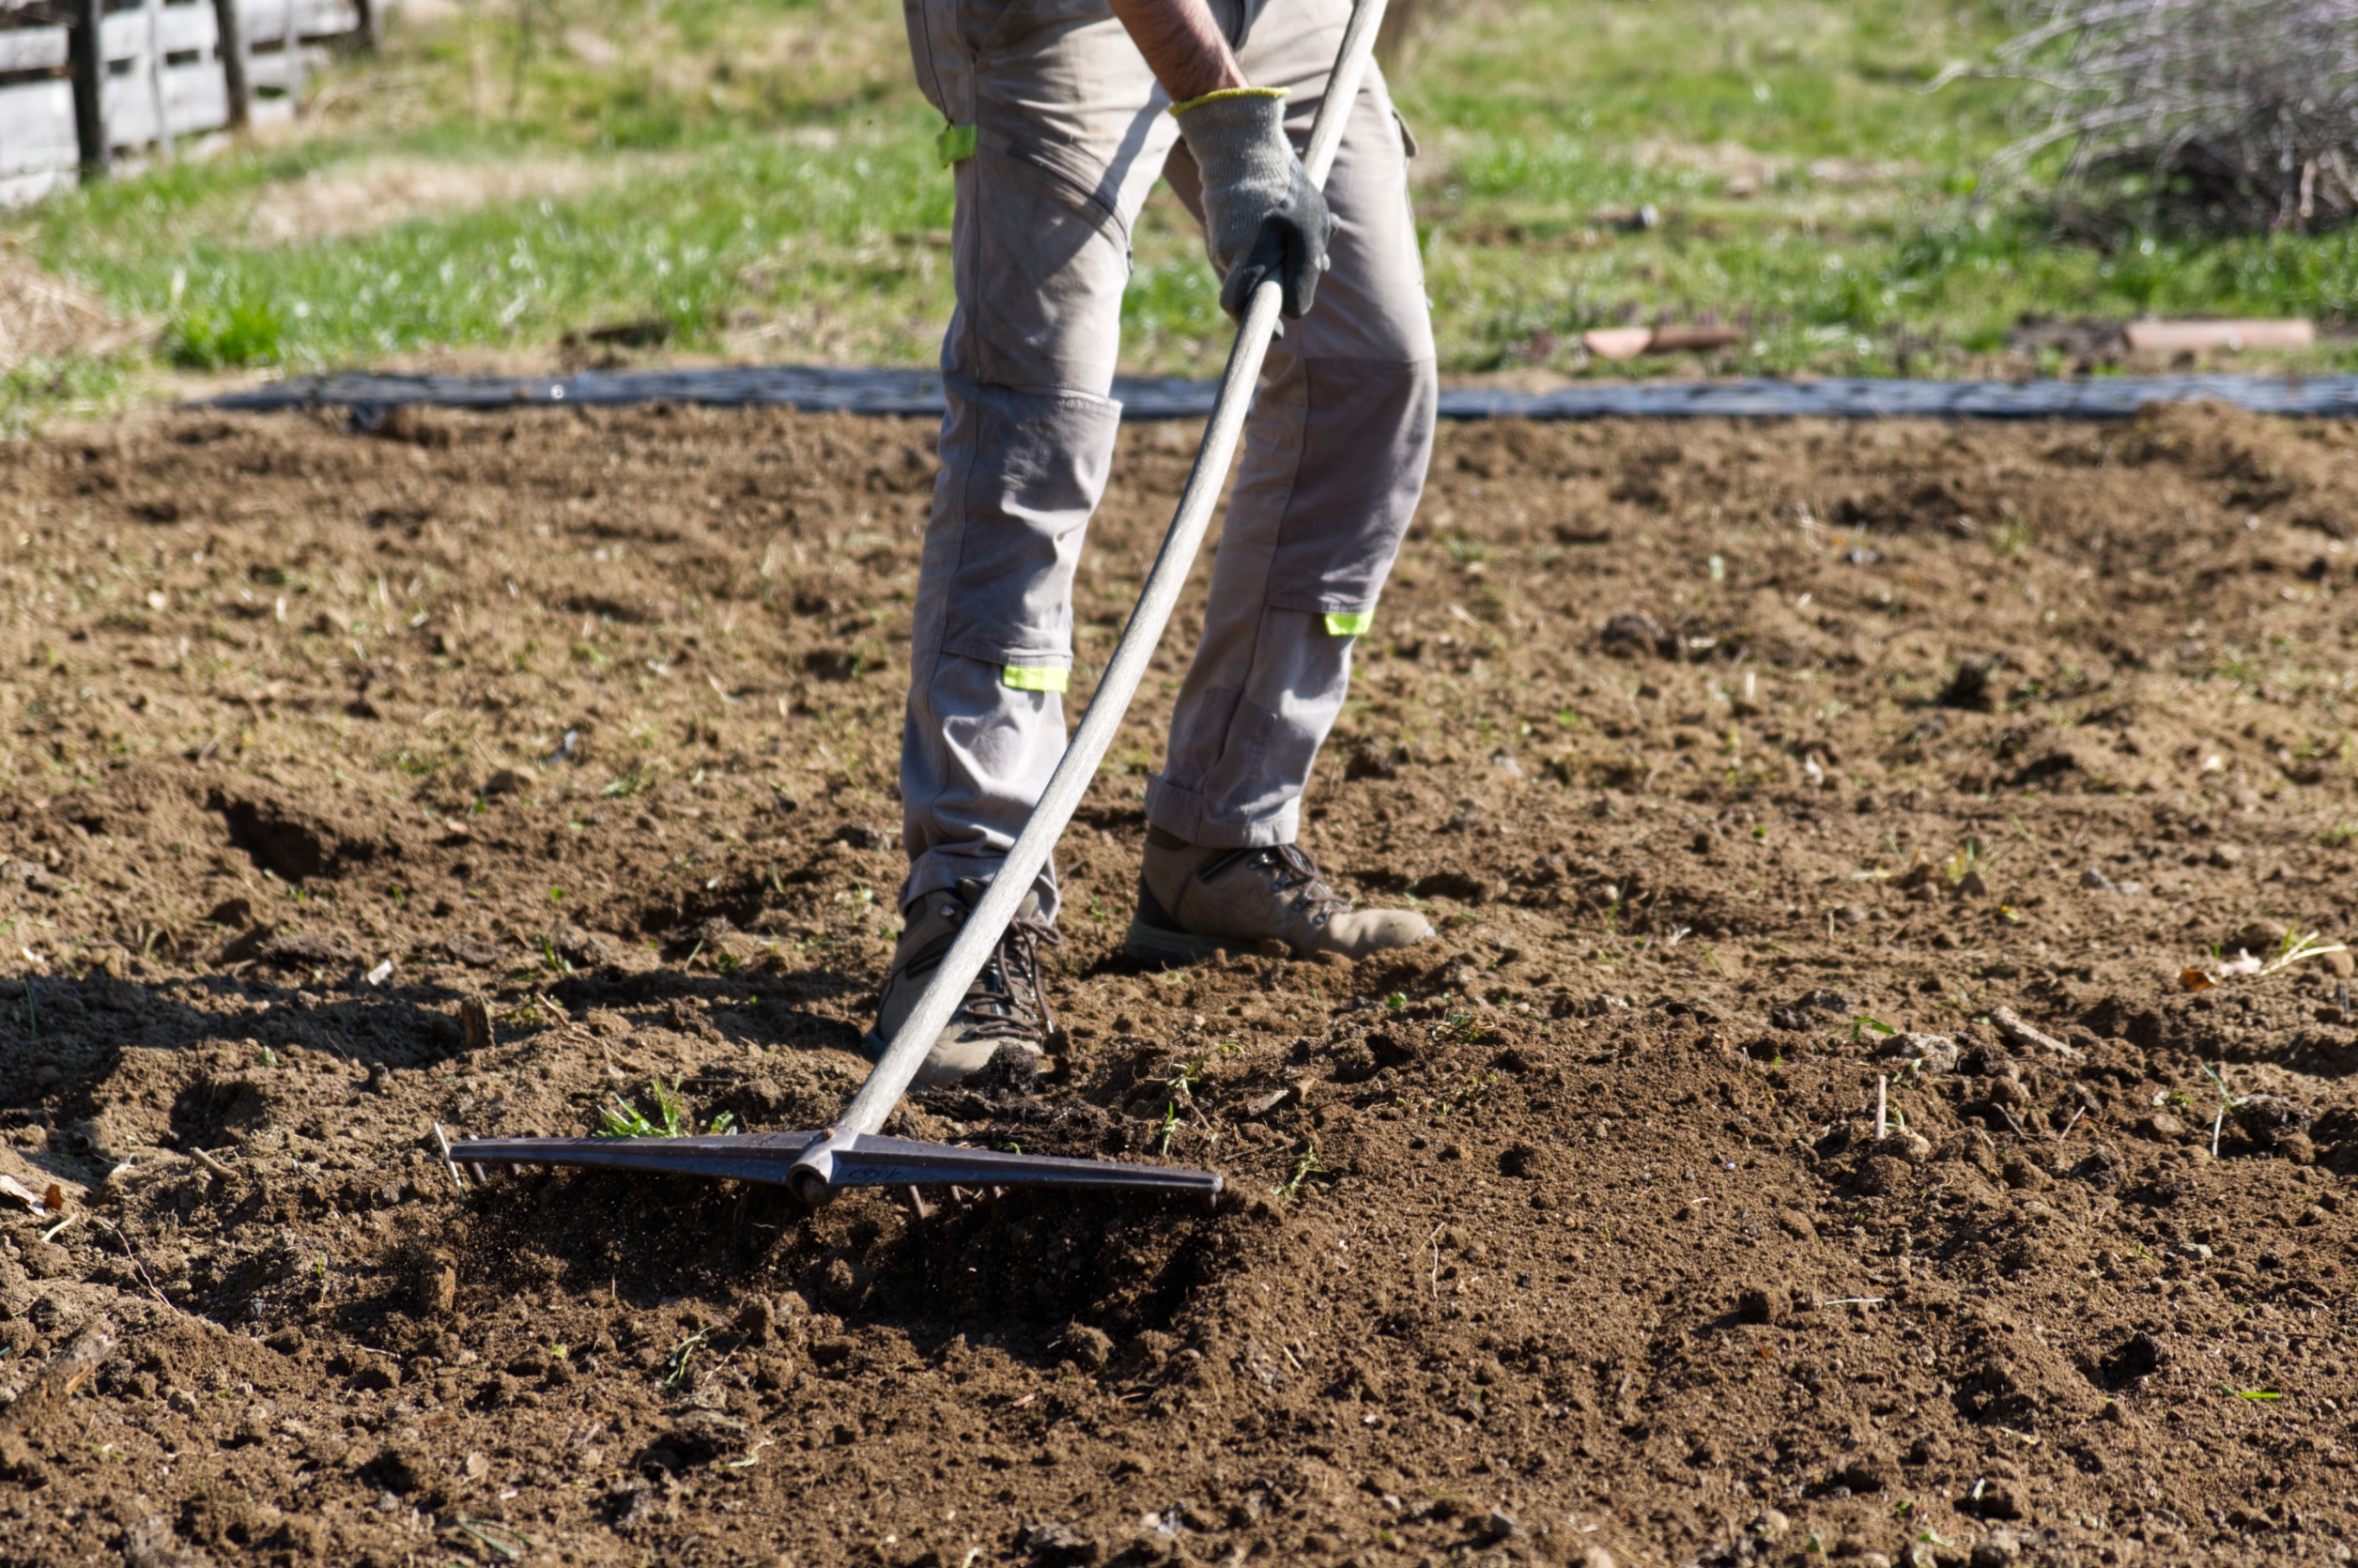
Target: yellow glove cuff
(1177, 109)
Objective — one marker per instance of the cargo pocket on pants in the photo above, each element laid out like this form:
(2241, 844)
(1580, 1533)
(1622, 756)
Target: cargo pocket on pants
(1027, 469)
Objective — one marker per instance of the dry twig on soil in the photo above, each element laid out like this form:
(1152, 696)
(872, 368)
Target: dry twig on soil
(2010, 1024)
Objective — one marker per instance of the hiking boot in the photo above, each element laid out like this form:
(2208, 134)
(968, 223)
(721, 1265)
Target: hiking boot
(1195, 902)
(1004, 1009)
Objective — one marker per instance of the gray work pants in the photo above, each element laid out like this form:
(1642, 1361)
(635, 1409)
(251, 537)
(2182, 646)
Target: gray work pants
(1058, 132)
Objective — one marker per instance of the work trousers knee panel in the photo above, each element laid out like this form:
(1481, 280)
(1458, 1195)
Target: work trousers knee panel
(1333, 469)
(1021, 473)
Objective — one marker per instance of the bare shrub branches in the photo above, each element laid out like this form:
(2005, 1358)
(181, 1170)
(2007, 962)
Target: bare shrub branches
(2240, 113)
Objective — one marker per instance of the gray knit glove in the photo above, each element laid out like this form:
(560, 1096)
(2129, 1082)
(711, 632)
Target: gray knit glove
(1262, 217)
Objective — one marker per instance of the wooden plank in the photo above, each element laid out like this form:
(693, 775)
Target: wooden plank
(267, 21)
(36, 129)
(279, 70)
(130, 109)
(326, 19)
(22, 189)
(181, 29)
(178, 29)
(32, 49)
(287, 69)
(195, 98)
(124, 35)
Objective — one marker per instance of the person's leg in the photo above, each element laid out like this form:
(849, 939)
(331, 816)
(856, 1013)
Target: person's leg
(1059, 131)
(1334, 461)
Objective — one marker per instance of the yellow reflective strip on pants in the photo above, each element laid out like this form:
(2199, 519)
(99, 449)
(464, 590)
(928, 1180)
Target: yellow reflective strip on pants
(1350, 622)
(1034, 677)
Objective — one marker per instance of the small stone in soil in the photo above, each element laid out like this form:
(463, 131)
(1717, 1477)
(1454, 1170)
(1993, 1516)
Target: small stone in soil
(473, 954)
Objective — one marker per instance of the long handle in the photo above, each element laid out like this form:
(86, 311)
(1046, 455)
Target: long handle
(890, 1078)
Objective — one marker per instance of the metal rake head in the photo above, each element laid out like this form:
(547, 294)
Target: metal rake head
(818, 1165)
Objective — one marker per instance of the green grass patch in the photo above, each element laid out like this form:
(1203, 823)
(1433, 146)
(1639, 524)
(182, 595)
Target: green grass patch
(756, 178)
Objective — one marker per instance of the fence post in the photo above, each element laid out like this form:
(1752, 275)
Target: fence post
(88, 45)
(233, 63)
(156, 97)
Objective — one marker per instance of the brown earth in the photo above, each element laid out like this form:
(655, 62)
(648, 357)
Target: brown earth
(1742, 767)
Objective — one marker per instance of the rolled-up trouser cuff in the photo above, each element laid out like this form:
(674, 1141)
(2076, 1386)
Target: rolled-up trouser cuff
(939, 870)
(1199, 820)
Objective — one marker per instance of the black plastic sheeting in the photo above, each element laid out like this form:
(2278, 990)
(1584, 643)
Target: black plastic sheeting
(919, 393)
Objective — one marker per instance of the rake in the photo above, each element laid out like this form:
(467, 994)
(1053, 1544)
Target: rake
(853, 1153)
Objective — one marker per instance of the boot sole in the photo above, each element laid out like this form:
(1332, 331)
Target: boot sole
(873, 1045)
(1161, 944)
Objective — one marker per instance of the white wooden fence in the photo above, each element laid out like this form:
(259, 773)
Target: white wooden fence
(166, 76)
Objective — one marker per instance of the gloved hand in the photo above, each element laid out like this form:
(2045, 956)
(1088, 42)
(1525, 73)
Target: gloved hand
(1262, 217)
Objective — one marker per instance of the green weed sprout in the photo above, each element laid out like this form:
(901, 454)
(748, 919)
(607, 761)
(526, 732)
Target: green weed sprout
(1305, 1166)
(2227, 1103)
(683, 1357)
(2297, 949)
(619, 1119)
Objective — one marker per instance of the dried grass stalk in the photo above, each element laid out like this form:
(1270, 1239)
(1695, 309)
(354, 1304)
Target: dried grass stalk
(43, 317)
(2241, 113)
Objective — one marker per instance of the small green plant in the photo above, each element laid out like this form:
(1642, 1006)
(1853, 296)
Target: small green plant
(248, 332)
(620, 1118)
(2258, 1396)
(1862, 1025)
(2227, 1103)
(1305, 1166)
(2295, 949)
(1170, 1127)
(1969, 860)
(683, 1357)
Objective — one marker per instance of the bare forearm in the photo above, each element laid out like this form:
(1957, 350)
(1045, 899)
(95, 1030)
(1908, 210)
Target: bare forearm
(1183, 46)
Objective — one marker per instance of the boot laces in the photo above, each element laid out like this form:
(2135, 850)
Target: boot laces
(1290, 867)
(1010, 1002)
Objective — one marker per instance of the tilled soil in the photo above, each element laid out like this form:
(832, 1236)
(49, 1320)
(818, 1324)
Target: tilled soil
(1745, 769)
